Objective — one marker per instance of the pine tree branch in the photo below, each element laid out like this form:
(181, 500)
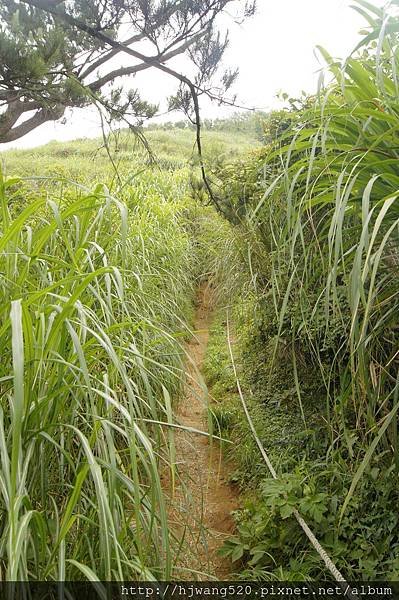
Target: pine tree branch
(162, 58)
(40, 117)
(151, 61)
(110, 54)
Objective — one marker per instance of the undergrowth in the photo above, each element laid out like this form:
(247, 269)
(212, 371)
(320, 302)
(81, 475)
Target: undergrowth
(312, 476)
(317, 214)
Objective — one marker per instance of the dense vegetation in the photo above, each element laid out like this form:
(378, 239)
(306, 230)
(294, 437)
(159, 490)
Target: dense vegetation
(97, 283)
(319, 323)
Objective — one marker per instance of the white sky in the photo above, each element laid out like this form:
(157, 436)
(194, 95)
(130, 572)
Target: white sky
(275, 51)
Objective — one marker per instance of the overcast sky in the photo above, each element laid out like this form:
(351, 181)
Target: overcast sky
(275, 51)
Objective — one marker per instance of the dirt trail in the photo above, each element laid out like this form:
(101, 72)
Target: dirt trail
(203, 499)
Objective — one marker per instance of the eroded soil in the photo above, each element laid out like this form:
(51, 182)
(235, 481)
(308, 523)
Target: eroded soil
(200, 507)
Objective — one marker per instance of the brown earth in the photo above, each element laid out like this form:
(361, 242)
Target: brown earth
(201, 504)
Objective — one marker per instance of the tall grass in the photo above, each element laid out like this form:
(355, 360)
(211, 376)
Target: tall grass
(317, 211)
(330, 218)
(94, 300)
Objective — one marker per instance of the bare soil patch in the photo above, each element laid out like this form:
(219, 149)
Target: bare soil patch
(201, 505)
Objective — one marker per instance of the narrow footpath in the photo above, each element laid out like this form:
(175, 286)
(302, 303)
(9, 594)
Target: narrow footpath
(200, 509)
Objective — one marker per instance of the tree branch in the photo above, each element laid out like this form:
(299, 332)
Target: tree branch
(110, 54)
(151, 61)
(40, 117)
(162, 58)
(10, 117)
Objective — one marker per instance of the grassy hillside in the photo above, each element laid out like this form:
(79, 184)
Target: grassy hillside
(88, 160)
